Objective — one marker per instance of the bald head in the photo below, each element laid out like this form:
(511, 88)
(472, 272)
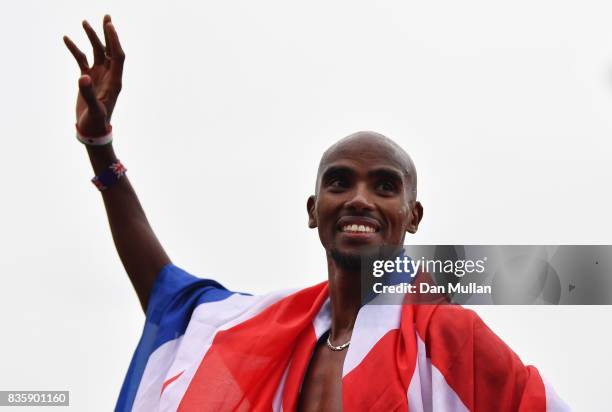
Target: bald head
(370, 146)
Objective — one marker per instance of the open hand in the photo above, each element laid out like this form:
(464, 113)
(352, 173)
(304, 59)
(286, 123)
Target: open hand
(100, 84)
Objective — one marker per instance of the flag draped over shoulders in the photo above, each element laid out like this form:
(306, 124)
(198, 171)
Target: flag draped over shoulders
(205, 348)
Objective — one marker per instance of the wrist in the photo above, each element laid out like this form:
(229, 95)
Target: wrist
(101, 156)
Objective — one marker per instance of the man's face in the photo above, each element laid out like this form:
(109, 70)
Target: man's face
(365, 198)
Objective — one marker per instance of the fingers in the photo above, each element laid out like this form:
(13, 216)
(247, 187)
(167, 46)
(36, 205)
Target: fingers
(89, 95)
(98, 47)
(79, 56)
(117, 55)
(116, 51)
(105, 21)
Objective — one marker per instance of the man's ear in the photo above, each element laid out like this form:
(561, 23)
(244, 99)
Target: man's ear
(417, 215)
(310, 207)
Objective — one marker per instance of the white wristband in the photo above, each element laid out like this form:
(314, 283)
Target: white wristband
(95, 141)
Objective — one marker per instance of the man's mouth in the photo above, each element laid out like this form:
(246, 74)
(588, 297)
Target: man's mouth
(358, 229)
(358, 225)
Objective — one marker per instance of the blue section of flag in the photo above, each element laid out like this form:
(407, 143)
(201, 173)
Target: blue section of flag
(174, 296)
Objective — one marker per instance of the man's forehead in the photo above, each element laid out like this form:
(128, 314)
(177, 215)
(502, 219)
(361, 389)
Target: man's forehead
(370, 149)
(371, 159)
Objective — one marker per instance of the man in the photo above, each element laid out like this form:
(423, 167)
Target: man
(206, 348)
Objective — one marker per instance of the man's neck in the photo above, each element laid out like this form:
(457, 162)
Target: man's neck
(345, 297)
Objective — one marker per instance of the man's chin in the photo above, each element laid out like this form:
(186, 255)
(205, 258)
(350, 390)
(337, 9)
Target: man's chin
(352, 260)
(348, 261)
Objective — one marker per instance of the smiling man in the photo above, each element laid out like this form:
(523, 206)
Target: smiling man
(206, 348)
(365, 196)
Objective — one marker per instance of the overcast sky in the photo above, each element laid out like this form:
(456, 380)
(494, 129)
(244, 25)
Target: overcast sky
(506, 110)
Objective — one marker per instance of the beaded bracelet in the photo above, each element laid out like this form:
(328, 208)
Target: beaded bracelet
(110, 176)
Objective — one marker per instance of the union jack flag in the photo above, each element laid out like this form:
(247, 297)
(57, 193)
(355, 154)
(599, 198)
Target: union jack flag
(118, 168)
(205, 348)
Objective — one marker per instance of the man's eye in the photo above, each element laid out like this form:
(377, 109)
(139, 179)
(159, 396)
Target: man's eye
(338, 183)
(386, 186)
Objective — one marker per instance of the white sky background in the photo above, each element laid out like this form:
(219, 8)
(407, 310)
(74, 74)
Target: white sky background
(506, 110)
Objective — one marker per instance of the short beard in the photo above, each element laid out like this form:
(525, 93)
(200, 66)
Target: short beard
(354, 262)
(346, 262)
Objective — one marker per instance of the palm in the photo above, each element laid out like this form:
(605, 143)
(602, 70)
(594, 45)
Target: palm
(100, 78)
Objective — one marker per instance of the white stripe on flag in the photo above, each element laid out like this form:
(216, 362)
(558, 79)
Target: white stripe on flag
(553, 402)
(372, 323)
(153, 377)
(322, 322)
(428, 390)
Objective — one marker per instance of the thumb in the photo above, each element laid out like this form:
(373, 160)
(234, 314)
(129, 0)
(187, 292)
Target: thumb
(86, 90)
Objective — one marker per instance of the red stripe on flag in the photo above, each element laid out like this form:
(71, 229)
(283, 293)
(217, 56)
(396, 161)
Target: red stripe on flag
(380, 381)
(169, 381)
(534, 396)
(244, 365)
(484, 372)
(297, 369)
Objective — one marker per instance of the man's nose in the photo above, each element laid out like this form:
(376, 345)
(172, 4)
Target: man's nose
(360, 199)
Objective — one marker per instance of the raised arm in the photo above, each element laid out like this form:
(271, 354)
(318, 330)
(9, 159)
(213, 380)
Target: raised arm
(99, 85)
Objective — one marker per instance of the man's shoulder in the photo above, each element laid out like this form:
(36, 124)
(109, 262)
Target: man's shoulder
(457, 337)
(456, 321)
(454, 324)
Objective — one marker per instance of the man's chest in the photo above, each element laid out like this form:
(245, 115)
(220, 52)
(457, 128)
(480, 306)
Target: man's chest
(322, 384)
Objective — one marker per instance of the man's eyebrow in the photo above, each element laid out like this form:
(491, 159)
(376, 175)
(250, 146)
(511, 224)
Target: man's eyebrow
(386, 172)
(336, 170)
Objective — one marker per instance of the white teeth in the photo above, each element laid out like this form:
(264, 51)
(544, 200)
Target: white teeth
(358, 229)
